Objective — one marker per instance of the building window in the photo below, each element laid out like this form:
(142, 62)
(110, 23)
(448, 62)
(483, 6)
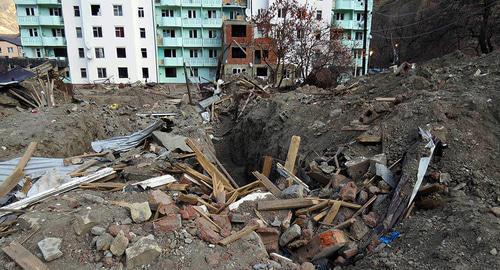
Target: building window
(144, 52)
(145, 73)
(191, 14)
(339, 16)
(99, 52)
(121, 53)
(30, 11)
(171, 72)
(78, 32)
(193, 72)
(359, 17)
(81, 52)
(97, 31)
(118, 10)
(359, 36)
(239, 70)
(193, 33)
(233, 15)
(237, 52)
(262, 71)
(38, 52)
(55, 12)
(212, 14)
(119, 31)
(193, 53)
(101, 73)
(170, 53)
(57, 32)
(167, 13)
(238, 30)
(212, 34)
(76, 11)
(169, 33)
(281, 13)
(95, 10)
(83, 73)
(10, 50)
(319, 15)
(142, 32)
(286, 74)
(140, 12)
(33, 32)
(212, 53)
(122, 72)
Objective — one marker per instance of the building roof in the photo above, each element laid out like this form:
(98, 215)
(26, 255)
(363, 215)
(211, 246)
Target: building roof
(15, 75)
(14, 39)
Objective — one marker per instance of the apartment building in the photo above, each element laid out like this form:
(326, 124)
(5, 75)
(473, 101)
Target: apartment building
(349, 16)
(41, 26)
(110, 41)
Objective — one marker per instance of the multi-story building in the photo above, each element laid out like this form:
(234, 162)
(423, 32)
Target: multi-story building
(42, 28)
(349, 16)
(10, 46)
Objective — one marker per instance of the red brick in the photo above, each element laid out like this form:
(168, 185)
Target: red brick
(157, 197)
(223, 222)
(322, 245)
(188, 213)
(370, 219)
(270, 238)
(168, 209)
(168, 223)
(350, 250)
(348, 192)
(207, 231)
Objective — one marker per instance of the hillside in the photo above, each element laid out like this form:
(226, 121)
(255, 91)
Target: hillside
(8, 24)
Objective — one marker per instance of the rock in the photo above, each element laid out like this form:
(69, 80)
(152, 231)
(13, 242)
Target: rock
(188, 240)
(371, 219)
(358, 229)
(144, 251)
(350, 250)
(93, 198)
(290, 234)
(293, 191)
(140, 212)
(188, 213)
(83, 223)
(158, 197)
(103, 242)
(114, 229)
(380, 159)
(348, 192)
(273, 265)
(357, 167)
(322, 245)
(373, 190)
(168, 209)
(168, 223)
(207, 231)
(307, 266)
(97, 230)
(362, 197)
(213, 259)
(50, 248)
(260, 266)
(270, 238)
(445, 178)
(326, 168)
(108, 262)
(223, 222)
(494, 252)
(119, 244)
(495, 211)
(336, 112)
(126, 221)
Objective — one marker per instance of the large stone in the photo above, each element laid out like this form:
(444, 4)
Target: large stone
(115, 229)
(322, 245)
(103, 241)
(207, 231)
(357, 167)
(270, 238)
(50, 248)
(290, 234)
(348, 192)
(119, 244)
(158, 197)
(97, 230)
(380, 159)
(359, 229)
(168, 223)
(223, 222)
(144, 251)
(188, 212)
(293, 191)
(495, 211)
(140, 212)
(83, 223)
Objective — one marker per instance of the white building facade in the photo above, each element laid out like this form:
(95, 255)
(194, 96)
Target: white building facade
(110, 41)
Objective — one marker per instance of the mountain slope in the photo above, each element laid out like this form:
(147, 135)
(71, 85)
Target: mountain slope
(8, 24)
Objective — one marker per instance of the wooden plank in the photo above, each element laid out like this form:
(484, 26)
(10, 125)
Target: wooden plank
(268, 184)
(268, 164)
(193, 173)
(291, 157)
(285, 204)
(233, 237)
(386, 99)
(365, 138)
(332, 213)
(291, 177)
(356, 128)
(84, 167)
(13, 179)
(313, 208)
(23, 257)
(321, 215)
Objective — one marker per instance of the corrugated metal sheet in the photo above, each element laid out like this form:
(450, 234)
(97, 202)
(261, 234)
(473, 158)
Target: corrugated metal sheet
(125, 143)
(36, 167)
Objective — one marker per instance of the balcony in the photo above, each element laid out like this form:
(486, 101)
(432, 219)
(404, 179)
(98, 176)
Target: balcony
(353, 44)
(212, 3)
(169, 21)
(348, 24)
(51, 20)
(172, 61)
(28, 20)
(54, 41)
(31, 41)
(213, 22)
(195, 62)
(349, 5)
(26, 2)
(191, 3)
(211, 62)
(193, 42)
(235, 3)
(168, 2)
(48, 2)
(190, 22)
(212, 42)
(170, 42)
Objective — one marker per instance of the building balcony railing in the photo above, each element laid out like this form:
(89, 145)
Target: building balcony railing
(172, 61)
(212, 3)
(353, 44)
(54, 41)
(31, 41)
(211, 62)
(28, 20)
(51, 20)
(26, 2)
(48, 2)
(354, 25)
(168, 2)
(212, 42)
(191, 3)
(169, 21)
(191, 22)
(169, 42)
(195, 62)
(235, 3)
(349, 5)
(212, 22)
(193, 42)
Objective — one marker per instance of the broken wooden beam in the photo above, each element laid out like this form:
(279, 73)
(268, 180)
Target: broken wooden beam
(284, 204)
(267, 166)
(268, 184)
(243, 232)
(13, 179)
(291, 157)
(23, 257)
(332, 213)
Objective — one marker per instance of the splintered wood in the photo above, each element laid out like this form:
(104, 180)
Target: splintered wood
(23, 257)
(268, 184)
(14, 178)
(291, 157)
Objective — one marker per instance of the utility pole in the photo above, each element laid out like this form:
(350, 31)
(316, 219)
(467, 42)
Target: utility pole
(365, 32)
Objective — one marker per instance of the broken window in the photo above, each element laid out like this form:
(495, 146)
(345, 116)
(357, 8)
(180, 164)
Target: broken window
(212, 34)
(30, 11)
(55, 12)
(193, 33)
(281, 13)
(262, 71)
(193, 72)
(171, 72)
(95, 10)
(144, 52)
(122, 72)
(33, 32)
(212, 53)
(57, 32)
(237, 52)
(238, 30)
(318, 35)
(212, 13)
(169, 33)
(121, 53)
(191, 14)
(359, 17)
(193, 53)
